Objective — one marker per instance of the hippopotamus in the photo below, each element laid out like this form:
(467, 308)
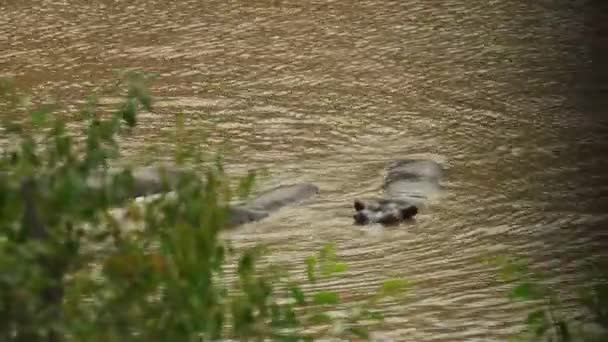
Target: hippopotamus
(270, 201)
(408, 184)
(151, 180)
(147, 180)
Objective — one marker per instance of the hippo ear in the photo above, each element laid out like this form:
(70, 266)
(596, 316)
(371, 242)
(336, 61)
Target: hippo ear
(359, 205)
(409, 212)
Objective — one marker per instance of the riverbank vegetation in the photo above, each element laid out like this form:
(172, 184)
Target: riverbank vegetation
(551, 318)
(70, 271)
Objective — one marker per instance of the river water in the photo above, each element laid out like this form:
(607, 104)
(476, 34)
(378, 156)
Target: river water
(507, 94)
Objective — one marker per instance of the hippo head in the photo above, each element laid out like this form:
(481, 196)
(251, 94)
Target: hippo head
(383, 211)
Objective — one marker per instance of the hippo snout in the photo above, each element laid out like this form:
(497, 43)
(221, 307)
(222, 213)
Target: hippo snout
(360, 218)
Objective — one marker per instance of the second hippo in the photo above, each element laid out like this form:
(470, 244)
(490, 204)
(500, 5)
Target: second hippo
(408, 185)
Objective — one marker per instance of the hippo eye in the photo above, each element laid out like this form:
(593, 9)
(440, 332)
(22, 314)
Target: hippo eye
(359, 205)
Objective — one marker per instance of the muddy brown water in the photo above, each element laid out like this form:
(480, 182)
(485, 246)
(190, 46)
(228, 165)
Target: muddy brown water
(507, 94)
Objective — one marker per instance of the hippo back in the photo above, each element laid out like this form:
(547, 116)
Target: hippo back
(271, 200)
(282, 196)
(147, 180)
(415, 168)
(241, 215)
(413, 180)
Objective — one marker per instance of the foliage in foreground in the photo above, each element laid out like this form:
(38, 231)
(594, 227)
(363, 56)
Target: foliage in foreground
(176, 278)
(171, 280)
(549, 320)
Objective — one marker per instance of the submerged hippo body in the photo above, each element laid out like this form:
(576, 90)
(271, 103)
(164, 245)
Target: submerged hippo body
(408, 185)
(147, 180)
(269, 201)
(153, 180)
(283, 195)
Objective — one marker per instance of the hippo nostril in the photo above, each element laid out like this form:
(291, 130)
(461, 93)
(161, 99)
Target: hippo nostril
(360, 218)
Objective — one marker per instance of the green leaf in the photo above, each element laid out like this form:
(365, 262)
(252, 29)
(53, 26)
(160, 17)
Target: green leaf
(290, 317)
(334, 267)
(245, 185)
(320, 318)
(513, 269)
(509, 268)
(297, 294)
(375, 315)
(536, 317)
(537, 322)
(311, 263)
(526, 291)
(88, 110)
(275, 314)
(129, 111)
(140, 93)
(328, 252)
(394, 286)
(326, 297)
(564, 331)
(246, 263)
(518, 338)
(540, 329)
(63, 145)
(39, 117)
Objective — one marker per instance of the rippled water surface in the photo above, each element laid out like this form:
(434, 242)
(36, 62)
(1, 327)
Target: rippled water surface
(502, 92)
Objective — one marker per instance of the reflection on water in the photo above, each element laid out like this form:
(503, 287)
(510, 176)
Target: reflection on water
(329, 92)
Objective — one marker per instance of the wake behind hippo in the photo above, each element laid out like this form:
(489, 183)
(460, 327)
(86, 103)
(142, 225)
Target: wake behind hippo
(408, 185)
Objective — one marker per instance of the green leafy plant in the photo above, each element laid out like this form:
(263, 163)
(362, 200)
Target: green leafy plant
(69, 270)
(547, 321)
